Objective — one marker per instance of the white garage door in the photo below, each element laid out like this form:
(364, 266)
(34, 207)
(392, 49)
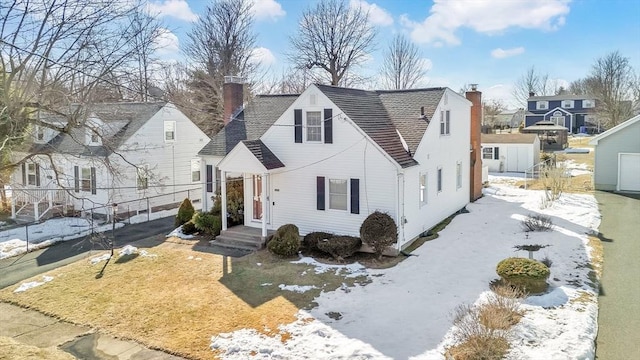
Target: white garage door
(629, 172)
(517, 159)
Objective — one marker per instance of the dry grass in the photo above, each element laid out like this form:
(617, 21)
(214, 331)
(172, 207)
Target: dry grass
(500, 313)
(597, 254)
(580, 142)
(13, 350)
(174, 303)
(581, 184)
(479, 348)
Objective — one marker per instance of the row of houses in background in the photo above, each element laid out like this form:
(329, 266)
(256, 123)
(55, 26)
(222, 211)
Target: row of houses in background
(323, 159)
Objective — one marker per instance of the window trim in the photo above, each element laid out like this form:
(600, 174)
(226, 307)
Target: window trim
(590, 102)
(439, 179)
(445, 122)
(542, 102)
(458, 175)
(39, 134)
(196, 168)
(318, 126)
(571, 104)
(169, 127)
(423, 189)
(346, 194)
(84, 180)
(484, 153)
(142, 177)
(32, 171)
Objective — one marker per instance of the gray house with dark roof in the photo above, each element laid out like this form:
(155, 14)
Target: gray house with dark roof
(121, 153)
(327, 158)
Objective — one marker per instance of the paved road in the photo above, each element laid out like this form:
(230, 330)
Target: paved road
(18, 268)
(619, 314)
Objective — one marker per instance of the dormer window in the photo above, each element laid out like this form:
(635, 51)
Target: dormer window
(588, 104)
(567, 104)
(542, 105)
(39, 134)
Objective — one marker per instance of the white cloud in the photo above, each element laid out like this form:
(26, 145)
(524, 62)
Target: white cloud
(489, 17)
(178, 9)
(167, 42)
(500, 53)
(267, 9)
(262, 56)
(377, 15)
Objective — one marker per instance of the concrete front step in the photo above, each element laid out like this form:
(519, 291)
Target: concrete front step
(239, 242)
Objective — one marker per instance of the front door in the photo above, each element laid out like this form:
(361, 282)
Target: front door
(257, 197)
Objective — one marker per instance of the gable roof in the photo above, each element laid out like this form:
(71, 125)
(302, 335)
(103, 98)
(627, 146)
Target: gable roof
(508, 138)
(121, 121)
(250, 124)
(403, 107)
(366, 109)
(615, 129)
(263, 154)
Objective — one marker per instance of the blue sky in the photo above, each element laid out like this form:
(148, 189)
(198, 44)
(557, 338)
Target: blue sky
(489, 42)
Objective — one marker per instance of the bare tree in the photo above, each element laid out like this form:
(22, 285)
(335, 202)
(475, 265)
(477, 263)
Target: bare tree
(54, 54)
(612, 82)
(403, 67)
(491, 109)
(532, 82)
(333, 37)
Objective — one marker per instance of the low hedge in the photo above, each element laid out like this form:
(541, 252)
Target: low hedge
(340, 247)
(286, 241)
(310, 241)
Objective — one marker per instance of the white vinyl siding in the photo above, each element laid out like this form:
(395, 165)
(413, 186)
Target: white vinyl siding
(314, 126)
(142, 178)
(338, 194)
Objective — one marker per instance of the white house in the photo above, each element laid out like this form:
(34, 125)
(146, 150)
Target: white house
(327, 158)
(125, 152)
(617, 157)
(510, 152)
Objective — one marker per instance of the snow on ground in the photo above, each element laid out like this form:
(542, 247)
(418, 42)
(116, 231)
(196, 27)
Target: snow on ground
(31, 284)
(13, 241)
(140, 218)
(297, 288)
(405, 312)
(177, 232)
(126, 250)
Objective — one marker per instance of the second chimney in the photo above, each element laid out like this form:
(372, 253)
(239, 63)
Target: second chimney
(475, 97)
(232, 96)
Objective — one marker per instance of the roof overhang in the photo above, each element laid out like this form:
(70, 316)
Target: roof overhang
(250, 156)
(614, 129)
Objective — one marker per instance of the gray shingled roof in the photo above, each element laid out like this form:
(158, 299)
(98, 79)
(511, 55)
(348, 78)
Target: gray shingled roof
(559, 97)
(508, 138)
(366, 109)
(259, 114)
(124, 119)
(403, 107)
(263, 154)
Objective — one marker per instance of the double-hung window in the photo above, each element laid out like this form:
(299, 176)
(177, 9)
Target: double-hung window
(338, 194)
(32, 174)
(169, 131)
(195, 170)
(491, 153)
(314, 126)
(423, 189)
(445, 122)
(542, 105)
(142, 180)
(85, 179)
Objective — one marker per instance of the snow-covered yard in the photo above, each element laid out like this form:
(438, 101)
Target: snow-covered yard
(405, 312)
(14, 241)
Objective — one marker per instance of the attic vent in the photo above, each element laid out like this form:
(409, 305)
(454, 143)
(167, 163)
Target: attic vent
(421, 111)
(313, 99)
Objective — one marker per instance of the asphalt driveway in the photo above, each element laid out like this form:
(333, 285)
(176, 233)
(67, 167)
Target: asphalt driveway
(18, 268)
(619, 300)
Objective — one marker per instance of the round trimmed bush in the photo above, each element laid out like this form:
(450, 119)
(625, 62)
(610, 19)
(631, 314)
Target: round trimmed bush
(526, 274)
(340, 247)
(310, 240)
(185, 212)
(379, 231)
(286, 241)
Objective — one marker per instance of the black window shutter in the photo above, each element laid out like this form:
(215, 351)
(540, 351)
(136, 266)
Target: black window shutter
(76, 179)
(328, 126)
(209, 178)
(320, 192)
(37, 175)
(448, 122)
(496, 153)
(24, 174)
(297, 122)
(93, 180)
(355, 196)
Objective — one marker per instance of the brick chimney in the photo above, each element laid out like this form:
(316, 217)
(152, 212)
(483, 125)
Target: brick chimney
(232, 94)
(475, 97)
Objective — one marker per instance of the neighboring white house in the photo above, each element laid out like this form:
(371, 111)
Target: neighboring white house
(327, 158)
(617, 157)
(510, 152)
(125, 152)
